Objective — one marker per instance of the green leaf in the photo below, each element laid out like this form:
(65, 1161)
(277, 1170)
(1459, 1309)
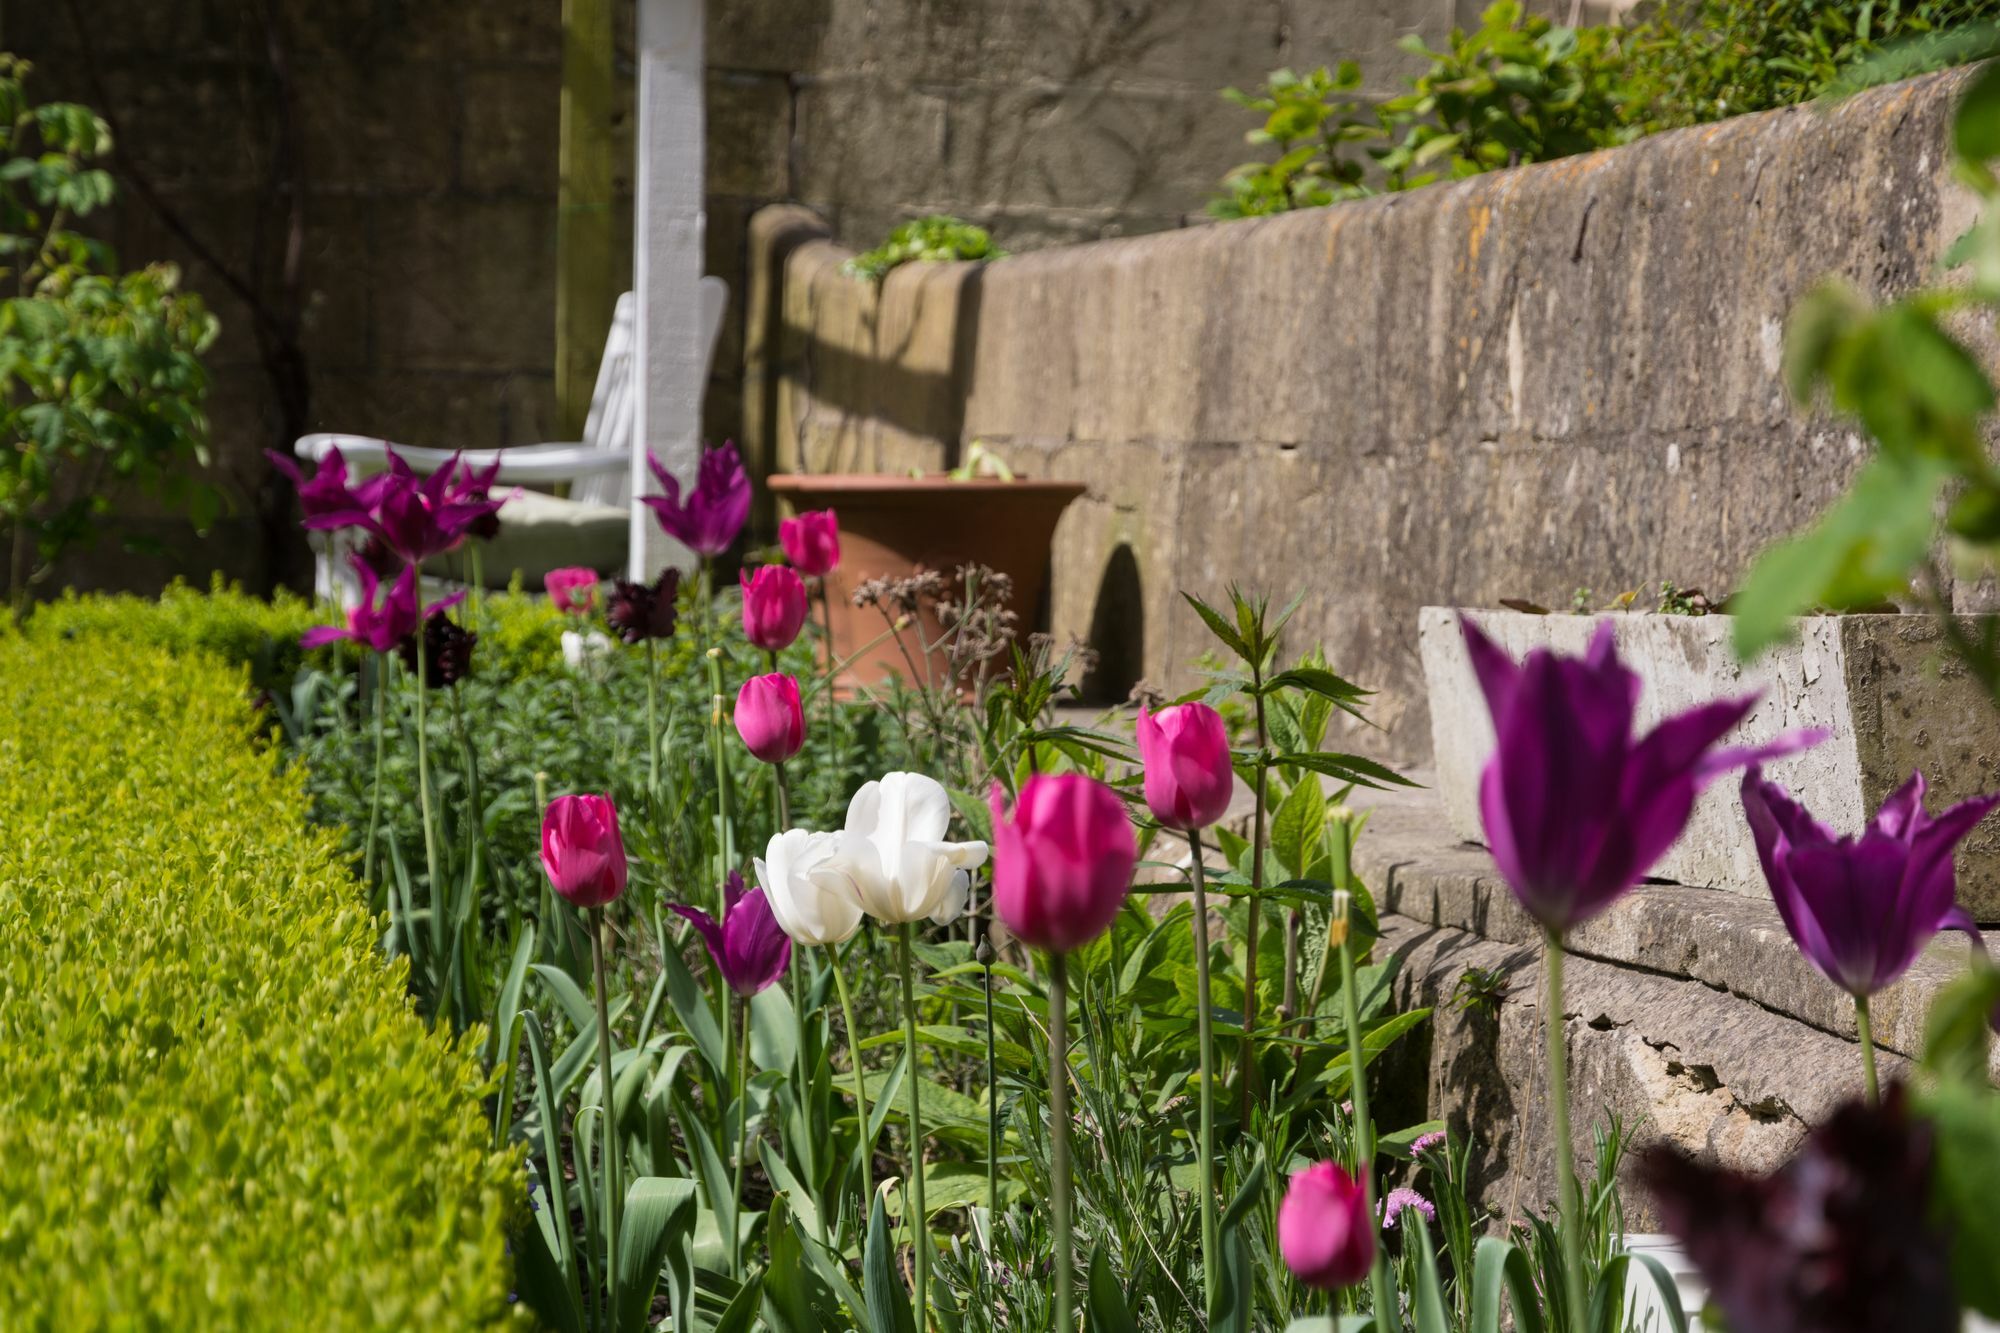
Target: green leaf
(1501, 1274)
(1966, 1118)
(888, 1303)
(1233, 1308)
(1428, 1298)
(1957, 1034)
(1296, 828)
(691, 1006)
(1859, 553)
(658, 1226)
(1348, 768)
(1668, 1290)
(1106, 1306)
(1975, 126)
(1219, 627)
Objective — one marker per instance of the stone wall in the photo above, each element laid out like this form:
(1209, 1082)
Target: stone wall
(1557, 377)
(426, 139)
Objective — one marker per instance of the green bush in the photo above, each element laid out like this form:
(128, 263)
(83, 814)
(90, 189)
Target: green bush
(217, 1108)
(933, 239)
(224, 621)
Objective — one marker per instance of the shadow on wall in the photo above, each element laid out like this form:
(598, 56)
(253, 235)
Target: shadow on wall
(1117, 632)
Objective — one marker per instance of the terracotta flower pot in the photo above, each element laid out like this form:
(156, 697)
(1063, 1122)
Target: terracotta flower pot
(892, 527)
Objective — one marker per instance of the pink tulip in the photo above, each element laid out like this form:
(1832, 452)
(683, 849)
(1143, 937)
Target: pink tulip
(811, 542)
(769, 718)
(582, 850)
(1324, 1231)
(1185, 751)
(774, 607)
(1063, 861)
(379, 628)
(573, 589)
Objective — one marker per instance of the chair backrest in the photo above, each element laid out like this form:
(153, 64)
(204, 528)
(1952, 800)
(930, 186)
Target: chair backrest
(613, 402)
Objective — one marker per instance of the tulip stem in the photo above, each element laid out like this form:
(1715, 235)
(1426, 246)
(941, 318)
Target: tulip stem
(1364, 1124)
(375, 797)
(614, 1200)
(718, 745)
(1254, 904)
(742, 1013)
(424, 785)
(1059, 1133)
(866, 1150)
(1570, 1219)
(1211, 1251)
(1867, 1030)
(992, 1125)
(653, 723)
(920, 1219)
(832, 718)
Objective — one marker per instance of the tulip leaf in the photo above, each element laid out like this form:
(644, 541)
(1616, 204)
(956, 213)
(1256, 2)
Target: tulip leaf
(1664, 1287)
(691, 1007)
(1233, 1308)
(774, 1030)
(1967, 1181)
(1108, 1308)
(657, 1232)
(1428, 1299)
(1501, 1275)
(881, 1288)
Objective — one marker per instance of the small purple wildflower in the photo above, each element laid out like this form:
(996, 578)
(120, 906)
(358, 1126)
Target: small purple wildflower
(1399, 1199)
(1425, 1142)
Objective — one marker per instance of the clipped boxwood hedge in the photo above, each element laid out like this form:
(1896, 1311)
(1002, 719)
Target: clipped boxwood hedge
(217, 1110)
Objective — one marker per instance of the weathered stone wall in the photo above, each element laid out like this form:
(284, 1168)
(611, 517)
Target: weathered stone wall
(1557, 377)
(426, 139)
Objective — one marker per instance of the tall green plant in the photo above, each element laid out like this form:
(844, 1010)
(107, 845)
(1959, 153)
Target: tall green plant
(101, 380)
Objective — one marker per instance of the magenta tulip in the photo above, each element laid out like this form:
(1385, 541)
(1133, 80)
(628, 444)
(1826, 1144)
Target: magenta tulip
(774, 607)
(573, 589)
(769, 718)
(1576, 808)
(711, 515)
(1324, 1231)
(473, 485)
(327, 499)
(1062, 860)
(1862, 909)
(582, 851)
(378, 628)
(1185, 751)
(748, 947)
(812, 542)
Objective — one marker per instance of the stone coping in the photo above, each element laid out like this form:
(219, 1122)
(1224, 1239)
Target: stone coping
(1419, 871)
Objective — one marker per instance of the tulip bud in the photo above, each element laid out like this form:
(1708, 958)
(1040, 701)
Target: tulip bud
(1324, 1231)
(1336, 922)
(582, 852)
(1062, 860)
(811, 542)
(1185, 751)
(769, 717)
(774, 607)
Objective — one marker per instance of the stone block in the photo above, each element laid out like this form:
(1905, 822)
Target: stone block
(512, 129)
(767, 36)
(749, 134)
(370, 127)
(464, 285)
(859, 141)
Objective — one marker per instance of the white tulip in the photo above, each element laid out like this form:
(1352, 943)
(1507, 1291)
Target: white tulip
(894, 845)
(809, 886)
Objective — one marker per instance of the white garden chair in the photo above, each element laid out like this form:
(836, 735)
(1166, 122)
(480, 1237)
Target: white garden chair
(539, 531)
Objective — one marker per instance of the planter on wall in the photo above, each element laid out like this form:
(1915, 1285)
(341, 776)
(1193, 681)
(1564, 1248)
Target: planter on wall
(891, 527)
(1883, 685)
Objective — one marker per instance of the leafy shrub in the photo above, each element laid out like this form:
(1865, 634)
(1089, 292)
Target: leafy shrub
(932, 239)
(217, 1109)
(1309, 121)
(101, 380)
(224, 621)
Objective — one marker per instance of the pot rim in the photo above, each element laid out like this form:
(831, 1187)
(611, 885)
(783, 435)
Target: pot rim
(888, 485)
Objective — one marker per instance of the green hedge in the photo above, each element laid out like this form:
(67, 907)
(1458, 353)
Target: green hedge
(217, 1109)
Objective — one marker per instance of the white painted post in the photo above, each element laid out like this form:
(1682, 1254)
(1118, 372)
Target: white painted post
(667, 233)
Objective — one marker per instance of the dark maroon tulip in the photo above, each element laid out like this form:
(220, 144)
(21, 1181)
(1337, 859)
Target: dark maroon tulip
(637, 612)
(1576, 808)
(447, 651)
(1862, 909)
(381, 628)
(749, 948)
(1839, 1239)
(707, 520)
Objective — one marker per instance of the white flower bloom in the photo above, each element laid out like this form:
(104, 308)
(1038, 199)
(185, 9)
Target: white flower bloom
(586, 653)
(809, 886)
(894, 844)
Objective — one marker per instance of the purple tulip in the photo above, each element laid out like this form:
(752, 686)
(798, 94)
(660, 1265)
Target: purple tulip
(474, 485)
(327, 499)
(1862, 909)
(1842, 1238)
(378, 629)
(707, 521)
(748, 947)
(419, 517)
(1576, 808)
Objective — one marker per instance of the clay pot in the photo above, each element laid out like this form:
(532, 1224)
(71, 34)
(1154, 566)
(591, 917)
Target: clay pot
(892, 527)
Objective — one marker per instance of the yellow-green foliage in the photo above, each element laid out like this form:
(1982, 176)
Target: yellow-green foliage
(224, 620)
(217, 1110)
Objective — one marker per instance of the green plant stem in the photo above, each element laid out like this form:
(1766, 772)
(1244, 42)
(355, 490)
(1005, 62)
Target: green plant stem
(920, 1219)
(741, 1011)
(424, 774)
(614, 1192)
(784, 796)
(653, 721)
(1059, 1136)
(866, 1150)
(1866, 1028)
(1254, 905)
(1364, 1124)
(1211, 1251)
(718, 742)
(832, 715)
(1570, 1206)
(375, 796)
(992, 1118)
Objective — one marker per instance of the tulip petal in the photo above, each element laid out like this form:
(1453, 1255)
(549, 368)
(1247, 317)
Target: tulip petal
(1496, 672)
(711, 933)
(1902, 813)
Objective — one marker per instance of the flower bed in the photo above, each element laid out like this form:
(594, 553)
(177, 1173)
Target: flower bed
(217, 1109)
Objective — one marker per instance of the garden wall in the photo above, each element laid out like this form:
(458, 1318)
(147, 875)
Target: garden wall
(1557, 377)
